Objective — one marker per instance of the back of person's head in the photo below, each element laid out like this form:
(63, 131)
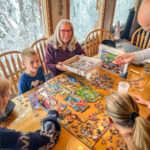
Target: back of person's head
(55, 39)
(124, 111)
(143, 15)
(28, 52)
(4, 88)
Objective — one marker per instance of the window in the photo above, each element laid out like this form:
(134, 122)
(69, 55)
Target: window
(122, 11)
(20, 24)
(84, 16)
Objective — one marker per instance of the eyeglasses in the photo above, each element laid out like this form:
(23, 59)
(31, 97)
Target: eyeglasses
(68, 31)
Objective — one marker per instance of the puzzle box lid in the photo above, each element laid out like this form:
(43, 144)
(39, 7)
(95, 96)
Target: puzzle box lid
(107, 54)
(81, 64)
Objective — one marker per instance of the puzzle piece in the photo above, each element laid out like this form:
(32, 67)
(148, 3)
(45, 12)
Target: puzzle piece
(88, 94)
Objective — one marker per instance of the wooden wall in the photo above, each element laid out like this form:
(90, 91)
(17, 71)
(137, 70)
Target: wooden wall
(55, 10)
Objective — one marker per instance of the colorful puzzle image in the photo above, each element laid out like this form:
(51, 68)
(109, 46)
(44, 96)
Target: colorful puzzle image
(56, 88)
(88, 94)
(47, 100)
(75, 99)
(87, 129)
(107, 59)
(102, 81)
(76, 103)
(70, 82)
(107, 56)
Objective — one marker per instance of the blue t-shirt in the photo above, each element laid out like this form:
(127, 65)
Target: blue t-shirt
(27, 82)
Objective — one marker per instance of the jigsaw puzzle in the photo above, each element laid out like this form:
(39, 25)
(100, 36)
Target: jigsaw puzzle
(88, 94)
(76, 98)
(76, 103)
(107, 56)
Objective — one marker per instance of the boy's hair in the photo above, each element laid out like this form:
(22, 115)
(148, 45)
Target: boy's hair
(27, 52)
(4, 88)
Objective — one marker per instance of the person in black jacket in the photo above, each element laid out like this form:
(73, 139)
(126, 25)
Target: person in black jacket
(44, 139)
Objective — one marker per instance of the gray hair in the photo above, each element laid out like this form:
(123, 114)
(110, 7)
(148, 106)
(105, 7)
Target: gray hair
(55, 39)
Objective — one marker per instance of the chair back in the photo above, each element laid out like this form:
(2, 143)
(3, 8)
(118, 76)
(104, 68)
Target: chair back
(40, 47)
(11, 68)
(141, 38)
(94, 38)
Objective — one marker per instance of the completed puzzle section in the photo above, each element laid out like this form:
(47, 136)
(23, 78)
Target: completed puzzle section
(107, 55)
(86, 121)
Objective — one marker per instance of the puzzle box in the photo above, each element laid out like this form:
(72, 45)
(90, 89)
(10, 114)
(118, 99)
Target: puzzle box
(81, 64)
(107, 55)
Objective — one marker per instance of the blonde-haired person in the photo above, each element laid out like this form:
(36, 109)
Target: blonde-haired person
(61, 46)
(123, 112)
(45, 138)
(33, 74)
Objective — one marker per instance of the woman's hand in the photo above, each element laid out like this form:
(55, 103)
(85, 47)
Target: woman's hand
(125, 58)
(140, 100)
(60, 66)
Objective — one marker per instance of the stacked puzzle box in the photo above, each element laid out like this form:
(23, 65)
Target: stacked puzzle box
(107, 55)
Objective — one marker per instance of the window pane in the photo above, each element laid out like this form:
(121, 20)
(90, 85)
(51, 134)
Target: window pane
(84, 16)
(122, 11)
(20, 24)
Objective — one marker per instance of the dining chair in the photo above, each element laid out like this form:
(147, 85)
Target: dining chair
(94, 38)
(11, 68)
(141, 38)
(40, 47)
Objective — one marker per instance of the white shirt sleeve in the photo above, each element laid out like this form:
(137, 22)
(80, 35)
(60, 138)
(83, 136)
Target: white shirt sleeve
(142, 55)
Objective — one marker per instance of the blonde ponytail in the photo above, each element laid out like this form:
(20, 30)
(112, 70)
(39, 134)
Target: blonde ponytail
(124, 111)
(141, 134)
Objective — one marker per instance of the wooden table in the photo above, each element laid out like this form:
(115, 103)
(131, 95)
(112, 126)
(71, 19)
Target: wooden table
(25, 119)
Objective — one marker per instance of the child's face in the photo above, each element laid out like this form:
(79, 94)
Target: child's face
(32, 63)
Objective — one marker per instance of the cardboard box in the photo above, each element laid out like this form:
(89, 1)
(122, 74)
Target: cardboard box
(107, 55)
(81, 65)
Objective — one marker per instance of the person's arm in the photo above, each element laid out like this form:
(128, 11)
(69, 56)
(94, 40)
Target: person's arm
(50, 61)
(8, 138)
(50, 58)
(142, 55)
(46, 138)
(127, 58)
(141, 100)
(79, 50)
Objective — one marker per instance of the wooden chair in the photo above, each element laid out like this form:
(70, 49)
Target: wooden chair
(40, 47)
(141, 38)
(94, 38)
(10, 65)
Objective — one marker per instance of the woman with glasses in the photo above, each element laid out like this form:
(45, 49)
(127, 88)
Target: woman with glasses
(123, 113)
(61, 46)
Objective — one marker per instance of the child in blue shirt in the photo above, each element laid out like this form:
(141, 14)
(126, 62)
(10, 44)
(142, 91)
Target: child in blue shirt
(33, 74)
